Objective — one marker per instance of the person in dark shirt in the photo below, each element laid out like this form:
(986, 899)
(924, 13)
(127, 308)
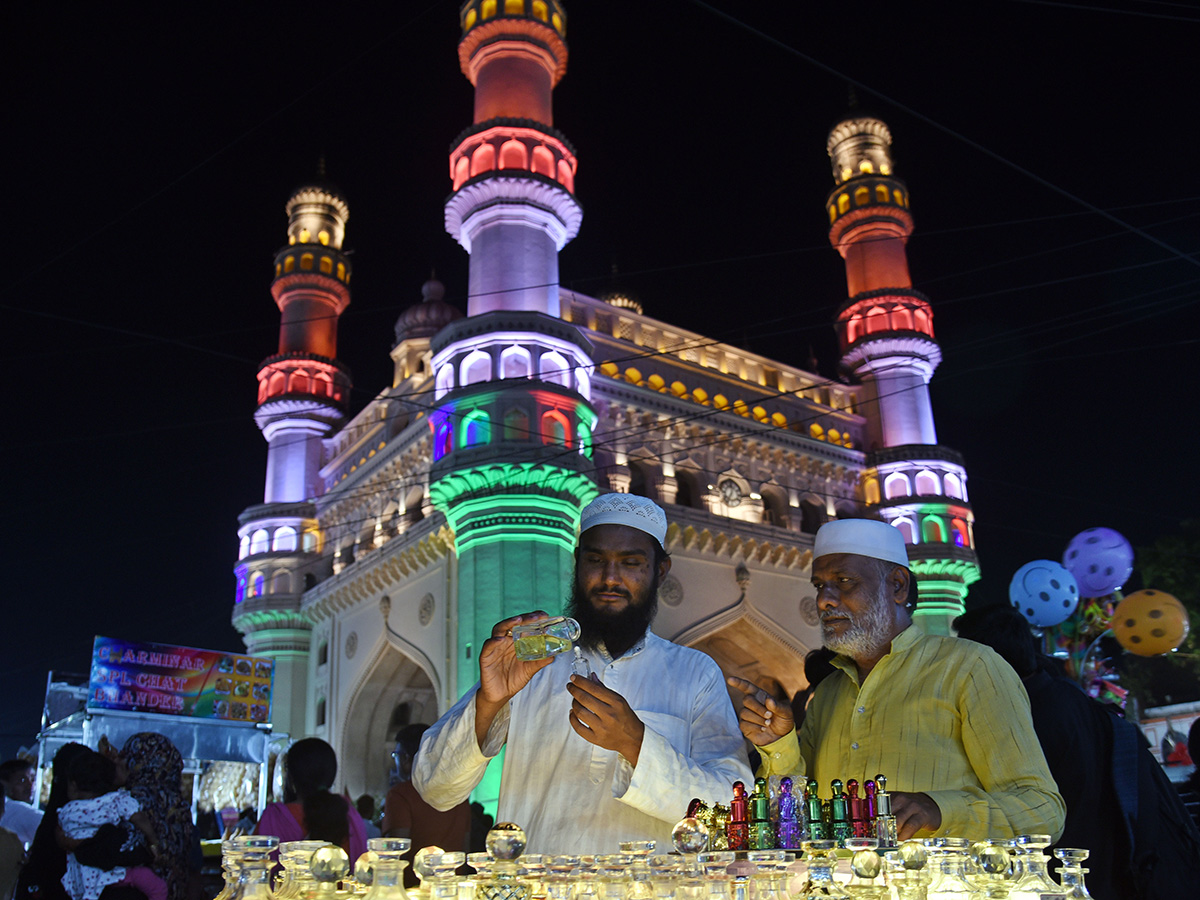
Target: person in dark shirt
(1077, 738)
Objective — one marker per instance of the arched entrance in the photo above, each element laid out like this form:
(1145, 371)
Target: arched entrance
(396, 692)
(746, 649)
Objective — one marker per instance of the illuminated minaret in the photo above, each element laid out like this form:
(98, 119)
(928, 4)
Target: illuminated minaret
(302, 396)
(885, 330)
(512, 427)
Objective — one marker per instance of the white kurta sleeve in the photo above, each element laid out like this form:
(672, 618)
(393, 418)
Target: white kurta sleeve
(682, 759)
(449, 763)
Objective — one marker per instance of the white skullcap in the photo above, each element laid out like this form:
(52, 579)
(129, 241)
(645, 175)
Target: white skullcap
(629, 510)
(865, 537)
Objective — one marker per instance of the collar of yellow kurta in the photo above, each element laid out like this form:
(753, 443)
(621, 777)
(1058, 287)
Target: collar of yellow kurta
(900, 643)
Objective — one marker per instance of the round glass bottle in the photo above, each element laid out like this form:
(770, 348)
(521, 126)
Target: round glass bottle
(387, 879)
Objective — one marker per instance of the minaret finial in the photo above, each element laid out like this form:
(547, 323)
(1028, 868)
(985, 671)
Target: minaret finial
(852, 96)
(321, 167)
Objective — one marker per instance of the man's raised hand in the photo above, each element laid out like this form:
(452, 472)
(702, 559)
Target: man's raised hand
(763, 719)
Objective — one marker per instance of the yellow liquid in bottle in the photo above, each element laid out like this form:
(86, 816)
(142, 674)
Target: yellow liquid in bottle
(539, 646)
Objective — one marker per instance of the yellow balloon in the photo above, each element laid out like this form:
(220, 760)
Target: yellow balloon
(1149, 623)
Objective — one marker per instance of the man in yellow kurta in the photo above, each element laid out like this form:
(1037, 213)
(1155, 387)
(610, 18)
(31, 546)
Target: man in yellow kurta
(946, 720)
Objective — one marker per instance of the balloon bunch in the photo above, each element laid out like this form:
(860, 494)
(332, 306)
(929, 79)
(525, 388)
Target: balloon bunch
(1079, 601)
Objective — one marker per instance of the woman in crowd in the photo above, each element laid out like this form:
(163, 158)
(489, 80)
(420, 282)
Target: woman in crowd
(310, 811)
(41, 878)
(155, 779)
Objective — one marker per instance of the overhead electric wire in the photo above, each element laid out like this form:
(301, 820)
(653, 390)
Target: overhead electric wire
(946, 129)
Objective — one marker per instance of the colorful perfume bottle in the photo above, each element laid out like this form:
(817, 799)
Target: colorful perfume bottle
(739, 826)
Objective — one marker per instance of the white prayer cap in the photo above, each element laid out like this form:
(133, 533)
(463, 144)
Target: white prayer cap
(626, 509)
(865, 537)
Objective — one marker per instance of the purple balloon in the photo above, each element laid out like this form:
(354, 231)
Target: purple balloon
(1100, 559)
(1044, 592)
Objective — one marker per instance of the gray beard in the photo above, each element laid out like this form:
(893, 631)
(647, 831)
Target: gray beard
(869, 632)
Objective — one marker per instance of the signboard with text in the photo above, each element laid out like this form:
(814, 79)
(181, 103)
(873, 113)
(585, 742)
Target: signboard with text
(179, 681)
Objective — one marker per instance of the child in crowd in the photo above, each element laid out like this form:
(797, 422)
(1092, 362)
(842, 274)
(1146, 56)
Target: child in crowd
(96, 801)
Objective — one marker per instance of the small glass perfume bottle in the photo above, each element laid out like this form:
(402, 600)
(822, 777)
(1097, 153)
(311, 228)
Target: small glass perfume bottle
(544, 638)
(579, 665)
(1072, 872)
(505, 844)
(885, 822)
(789, 831)
(762, 835)
(739, 826)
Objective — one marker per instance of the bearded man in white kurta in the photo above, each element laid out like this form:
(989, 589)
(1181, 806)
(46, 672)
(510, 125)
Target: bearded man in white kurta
(593, 761)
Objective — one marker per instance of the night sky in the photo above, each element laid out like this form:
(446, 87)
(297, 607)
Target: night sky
(150, 151)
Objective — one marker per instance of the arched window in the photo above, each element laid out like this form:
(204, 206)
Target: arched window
(952, 486)
(902, 319)
(258, 584)
(483, 159)
(322, 385)
(921, 320)
(927, 484)
(476, 368)
(553, 367)
(515, 362)
(309, 542)
(641, 480)
(321, 702)
(306, 261)
(555, 428)
(476, 428)
(514, 7)
(542, 161)
(854, 329)
(259, 541)
(276, 386)
(240, 593)
(285, 539)
(289, 264)
(961, 538)
(305, 235)
(298, 383)
(444, 442)
(899, 198)
(487, 9)
(513, 155)
(540, 12)
(774, 507)
(583, 381)
(516, 425)
(445, 380)
(244, 547)
(881, 193)
(896, 485)
(871, 491)
(565, 176)
(934, 530)
(323, 238)
(906, 529)
(462, 171)
(843, 203)
(812, 515)
(326, 264)
(877, 319)
(862, 196)
(281, 582)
